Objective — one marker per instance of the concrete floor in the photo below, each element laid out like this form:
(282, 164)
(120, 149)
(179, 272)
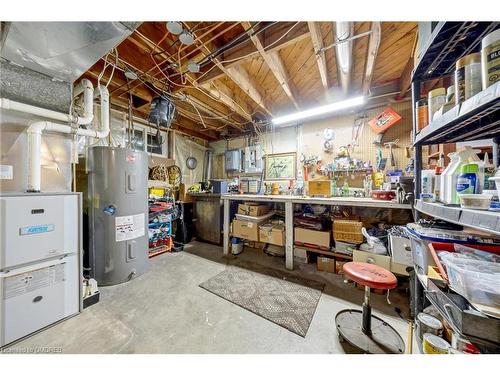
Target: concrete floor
(164, 311)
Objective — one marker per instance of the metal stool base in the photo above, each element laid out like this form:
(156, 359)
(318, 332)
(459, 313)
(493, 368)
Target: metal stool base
(383, 339)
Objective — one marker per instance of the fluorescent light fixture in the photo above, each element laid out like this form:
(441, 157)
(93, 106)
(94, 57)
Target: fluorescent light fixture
(320, 110)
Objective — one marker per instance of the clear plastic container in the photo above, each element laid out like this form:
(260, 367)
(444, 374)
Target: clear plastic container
(475, 201)
(476, 280)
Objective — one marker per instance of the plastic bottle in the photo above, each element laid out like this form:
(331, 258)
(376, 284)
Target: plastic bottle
(437, 184)
(333, 187)
(450, 174)
(345, 189)
(468, 180)
(488, 171)
(426, 190)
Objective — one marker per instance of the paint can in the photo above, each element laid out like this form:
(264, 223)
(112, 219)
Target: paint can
(436, 99)
(467, 77)
(432, 344)
(490, 58)
(428, 324)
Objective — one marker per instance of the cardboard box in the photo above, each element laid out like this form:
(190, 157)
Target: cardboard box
(273, 234)
(313, 238)
(319, 188)
(252, 209)
(325, 264)
(246, 230)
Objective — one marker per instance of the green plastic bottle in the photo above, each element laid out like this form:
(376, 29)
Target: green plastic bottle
(334, 187)
(345, 189)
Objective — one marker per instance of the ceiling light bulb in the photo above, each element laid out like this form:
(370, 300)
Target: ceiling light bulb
(317, 111)
(186, 38)
(174, 27)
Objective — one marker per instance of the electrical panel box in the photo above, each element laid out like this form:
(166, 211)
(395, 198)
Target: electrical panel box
(253, 159)
(232, 161)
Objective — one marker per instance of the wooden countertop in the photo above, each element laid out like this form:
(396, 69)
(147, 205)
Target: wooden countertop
(333, 201)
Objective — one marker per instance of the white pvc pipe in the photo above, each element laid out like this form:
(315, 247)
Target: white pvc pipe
(85, 87)
(35, 130)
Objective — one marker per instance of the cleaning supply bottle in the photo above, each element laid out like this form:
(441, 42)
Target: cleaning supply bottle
(468, 180)
(426, 189)
(450, 174)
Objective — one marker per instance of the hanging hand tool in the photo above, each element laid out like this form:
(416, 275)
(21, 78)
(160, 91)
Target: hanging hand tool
(391, 145)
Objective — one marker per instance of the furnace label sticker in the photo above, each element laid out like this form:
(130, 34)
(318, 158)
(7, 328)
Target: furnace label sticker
(6, 172)
(129, 227)
(34, 280)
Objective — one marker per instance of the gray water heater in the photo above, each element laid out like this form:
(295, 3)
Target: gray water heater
(118, 214)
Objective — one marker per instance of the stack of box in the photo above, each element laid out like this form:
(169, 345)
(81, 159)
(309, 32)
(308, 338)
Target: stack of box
(249, 229)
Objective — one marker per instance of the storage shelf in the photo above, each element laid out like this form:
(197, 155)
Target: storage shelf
(477, 118)
(325, 252)
(483, 345)
(487, 221)
(449, 42)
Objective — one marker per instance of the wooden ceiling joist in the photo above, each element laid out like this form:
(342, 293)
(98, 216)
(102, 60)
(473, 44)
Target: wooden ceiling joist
(317, 40)
(275, 63)
(243, 80)
(225, 95)
(373, 46)
(240, 77)
(273, 39)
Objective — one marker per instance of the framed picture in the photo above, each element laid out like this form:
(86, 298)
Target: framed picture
(280, 166)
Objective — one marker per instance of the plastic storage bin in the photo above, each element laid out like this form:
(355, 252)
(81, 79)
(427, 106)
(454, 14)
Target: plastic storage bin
(476, 280)
(421, 237)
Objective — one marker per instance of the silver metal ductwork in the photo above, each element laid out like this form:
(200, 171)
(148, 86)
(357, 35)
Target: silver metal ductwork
(62, 50)
(344, 31)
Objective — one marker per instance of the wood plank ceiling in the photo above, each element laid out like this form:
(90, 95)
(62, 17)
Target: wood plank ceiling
(273, 68)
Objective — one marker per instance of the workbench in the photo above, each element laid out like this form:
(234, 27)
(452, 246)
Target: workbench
(289, 201)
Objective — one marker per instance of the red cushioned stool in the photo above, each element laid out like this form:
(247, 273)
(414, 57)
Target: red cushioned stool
(360, 328)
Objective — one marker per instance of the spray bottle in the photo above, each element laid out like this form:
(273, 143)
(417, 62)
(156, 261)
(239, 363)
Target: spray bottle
(450, 175)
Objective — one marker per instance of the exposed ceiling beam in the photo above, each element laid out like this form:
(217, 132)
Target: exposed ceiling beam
(240, 77)
(343, 33)
(275, 63)
(317, 40)
(405, 80)
(272, 39)
(373, 46)
(220, 91)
